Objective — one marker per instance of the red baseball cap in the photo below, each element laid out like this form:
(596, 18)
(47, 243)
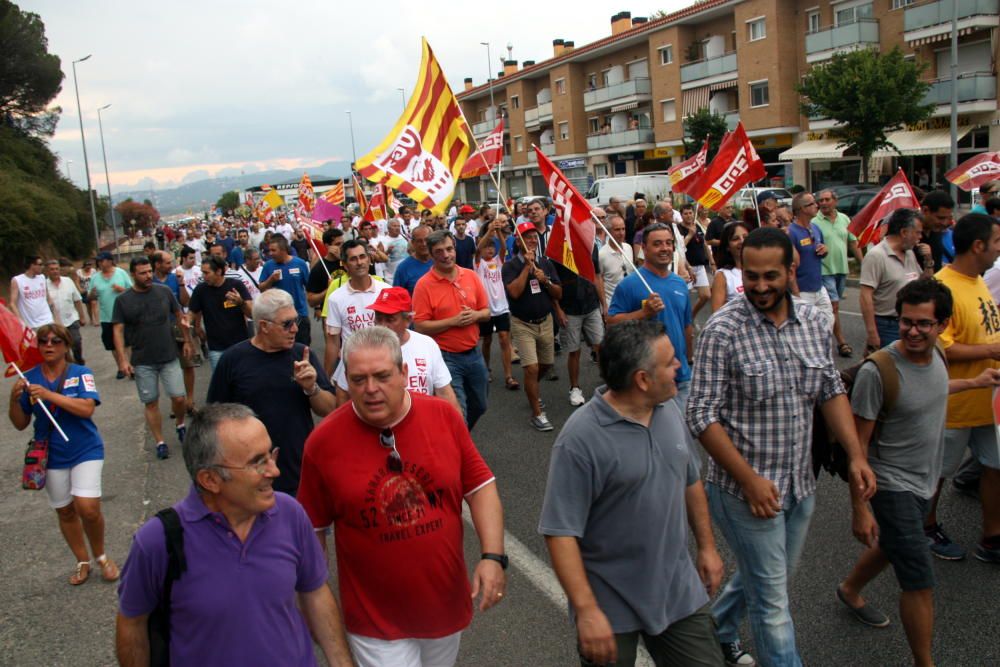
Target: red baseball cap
(525, 227)
(392, 300)
(466, 209)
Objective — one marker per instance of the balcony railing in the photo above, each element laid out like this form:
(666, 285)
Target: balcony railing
(548, 150)
(637, 137)
(939, 13)
(538, 115)
(617, 91)
(971, 88)
(846, 36)
(484, 127)
(732, 119)
(704, 69)
(507, 161)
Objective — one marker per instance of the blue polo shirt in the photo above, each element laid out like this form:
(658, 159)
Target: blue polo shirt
(809, 273)
(85, 443)
(409, 271)
(236, 602)
(294, 276)
(676, 316)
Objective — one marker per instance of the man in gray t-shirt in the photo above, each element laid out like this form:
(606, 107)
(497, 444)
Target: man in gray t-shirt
(623, 487)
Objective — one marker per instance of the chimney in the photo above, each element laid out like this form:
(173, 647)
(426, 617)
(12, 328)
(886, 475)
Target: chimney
(500, 74)
(557, 47)
(528, 63)
(468, 83)
(621, 22)
(510, 67)
(568, 46)
(639, 20)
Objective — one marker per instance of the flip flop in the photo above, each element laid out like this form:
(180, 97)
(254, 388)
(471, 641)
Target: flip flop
(81, 575)
(109, 571)
(513, 384)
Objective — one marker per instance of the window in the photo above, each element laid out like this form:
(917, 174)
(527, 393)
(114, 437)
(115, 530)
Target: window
(812, 21)
(519, 144)
(756, 29)
(899, 4)
(669, 108)
(515, 102)
(592, 81)
(564, 130)
(606, 78)
(595, 125)
(560, 86)
(601, 170)
(667, 54)
(758, 94)
(852, 14)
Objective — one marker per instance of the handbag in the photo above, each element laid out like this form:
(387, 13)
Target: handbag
(36, 457)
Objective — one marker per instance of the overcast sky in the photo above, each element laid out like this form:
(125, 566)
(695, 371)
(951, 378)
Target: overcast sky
(199, 88)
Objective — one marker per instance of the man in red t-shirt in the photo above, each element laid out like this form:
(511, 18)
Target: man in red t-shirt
(449, 302)
(390, 471)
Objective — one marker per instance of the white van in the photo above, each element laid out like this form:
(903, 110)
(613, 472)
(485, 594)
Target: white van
(654, 186)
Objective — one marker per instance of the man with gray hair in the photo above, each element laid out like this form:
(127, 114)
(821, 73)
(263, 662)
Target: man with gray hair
(281, 380)
(248, 554)
(810, 243)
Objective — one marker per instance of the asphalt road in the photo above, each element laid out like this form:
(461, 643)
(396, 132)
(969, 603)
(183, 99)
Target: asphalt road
(45, 621)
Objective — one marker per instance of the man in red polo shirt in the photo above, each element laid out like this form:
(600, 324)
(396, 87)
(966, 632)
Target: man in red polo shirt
(449, 302)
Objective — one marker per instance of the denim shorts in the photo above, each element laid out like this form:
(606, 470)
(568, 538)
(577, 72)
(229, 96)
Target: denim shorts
(147, 381)
(835, 284)
(900, 516)
(980, 440)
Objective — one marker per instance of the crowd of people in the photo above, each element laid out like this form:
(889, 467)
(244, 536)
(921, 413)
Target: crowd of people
(409, 307)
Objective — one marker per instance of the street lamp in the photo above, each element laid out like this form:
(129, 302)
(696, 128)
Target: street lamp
(354, 155)
(86, 164)
(69, 175)
(489, 76)
(107, 179)
(402, 96)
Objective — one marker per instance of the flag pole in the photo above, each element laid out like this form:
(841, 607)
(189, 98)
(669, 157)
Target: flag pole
(41, 404)
(621, 250)
(312, 242)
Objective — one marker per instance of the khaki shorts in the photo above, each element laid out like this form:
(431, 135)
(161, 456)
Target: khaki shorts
(195, 361)
(534, 342)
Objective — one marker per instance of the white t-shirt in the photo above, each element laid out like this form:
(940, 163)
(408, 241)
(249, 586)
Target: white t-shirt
(425, 369)
(396, 248)
(734, 283)
(489, 272)
(347, 309)
(32, 301)
(198, 245)
(243, 275)
(613, 267)
(65, 296)
(287, 231)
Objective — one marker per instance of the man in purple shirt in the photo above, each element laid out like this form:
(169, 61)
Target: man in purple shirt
(250, 552)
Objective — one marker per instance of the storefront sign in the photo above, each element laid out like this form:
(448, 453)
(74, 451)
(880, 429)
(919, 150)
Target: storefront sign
(660, 153)
(572, 164)
(938, 123)
(773, 141)
(623, 157)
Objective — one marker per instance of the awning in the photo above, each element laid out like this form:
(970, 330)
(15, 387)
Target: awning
(724, 85)
(694, 99)
(922, 142)
(940, 37)
(815, 149)
(624, 107)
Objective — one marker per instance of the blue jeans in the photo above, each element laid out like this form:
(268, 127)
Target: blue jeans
(683, 392)
(888, 329)
(214, 356)
(767, 552)
(470, 380)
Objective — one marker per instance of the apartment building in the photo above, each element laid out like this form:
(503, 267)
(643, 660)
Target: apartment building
(616, 106)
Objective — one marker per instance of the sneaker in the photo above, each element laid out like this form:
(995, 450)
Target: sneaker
(941, 545)
(181, 432)
(987, 554)
(120, 375)
(735, 656)
(162, 451)
(866, 613)
(541, 423)
(576, 397)
(541, 404)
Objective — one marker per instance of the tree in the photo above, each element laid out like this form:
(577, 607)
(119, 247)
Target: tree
(136, 215)
(869, 95)
(701, 125)
(229, 201)
(30, 76)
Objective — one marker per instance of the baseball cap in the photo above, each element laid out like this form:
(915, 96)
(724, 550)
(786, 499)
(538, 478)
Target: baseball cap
(765, 195)
(392, 300)
(105, 255)
(466, 209)
(525, 227)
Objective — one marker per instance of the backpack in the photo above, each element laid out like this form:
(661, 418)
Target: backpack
(158, 623)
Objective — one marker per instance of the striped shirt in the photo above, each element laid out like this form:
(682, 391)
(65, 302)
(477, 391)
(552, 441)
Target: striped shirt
(761, 382)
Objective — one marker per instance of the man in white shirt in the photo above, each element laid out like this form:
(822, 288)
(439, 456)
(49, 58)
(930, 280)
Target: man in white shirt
(196, 243)
(426, 372)
(615, 257)
(29, 299)
(347, 307)
(67, 304)
(395, 245)
(285, 228)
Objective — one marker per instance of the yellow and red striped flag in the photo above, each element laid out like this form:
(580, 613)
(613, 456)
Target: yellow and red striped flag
(335, 195)
(424, 153)
(359, 195)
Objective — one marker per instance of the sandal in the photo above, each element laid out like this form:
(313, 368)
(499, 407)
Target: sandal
(845, 350)
(513, 384)
(109, 571)
(81, 575)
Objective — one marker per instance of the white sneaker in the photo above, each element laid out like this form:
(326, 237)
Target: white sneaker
(576, 397)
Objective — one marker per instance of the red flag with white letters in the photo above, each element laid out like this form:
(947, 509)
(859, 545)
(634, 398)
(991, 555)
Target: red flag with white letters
(735, 165)
(897, 193)
(975, 172)
(487, 155)
(686, 173)
(571, 241)
(17, 342)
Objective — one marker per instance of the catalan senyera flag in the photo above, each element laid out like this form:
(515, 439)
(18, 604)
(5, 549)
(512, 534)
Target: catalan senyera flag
(359, 195)
(314, 231)
(684, 174)
(273, 199)
(487, 155)
(976, 171)
(571, 241)
(307, 196)
(335, 195)
(897, 193)
(424, 153)
(735, 165)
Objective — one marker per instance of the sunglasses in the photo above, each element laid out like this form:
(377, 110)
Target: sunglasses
(393, 461)
(52, 340)
(287, 324)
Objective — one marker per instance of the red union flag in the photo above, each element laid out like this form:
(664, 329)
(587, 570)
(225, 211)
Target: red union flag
(973, 173)
(307, 197)
(17, 342)
(684, 175)
(571, 241)
(487, 156)
(314, 230)
(867, 224)
(735, 165)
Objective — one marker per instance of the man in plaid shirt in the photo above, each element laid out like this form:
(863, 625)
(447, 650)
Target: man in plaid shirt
(761, 365)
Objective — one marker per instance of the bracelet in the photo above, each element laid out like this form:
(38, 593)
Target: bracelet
(315, 390)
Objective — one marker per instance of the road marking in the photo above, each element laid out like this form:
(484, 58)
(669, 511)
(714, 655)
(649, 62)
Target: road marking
(543, 578)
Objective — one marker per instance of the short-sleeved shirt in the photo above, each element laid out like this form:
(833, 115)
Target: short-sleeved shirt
(294, 276)
(225, 323)
(347, 309)
(409, 271)
(613, 267)
(400, 560)
(608, 475)
(579, 295)
(465, 251)
(147, 319)
(809, 273)
(85, 442)
(534, 304)
(33, 303)
(885, 273)
(490, 271)
(64, 297)
(714, 232)
(235, 604)
(975, 320)
(426, 371)
(676, 316)
(907, 454)
(106, 295)
(262, 381)
(319, 278)
(696, 250)
(837, 236)
(437, 298)
(235, 257)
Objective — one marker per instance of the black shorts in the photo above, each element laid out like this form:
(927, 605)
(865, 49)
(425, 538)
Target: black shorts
(108, 336)
(900, 516)
(497, 323)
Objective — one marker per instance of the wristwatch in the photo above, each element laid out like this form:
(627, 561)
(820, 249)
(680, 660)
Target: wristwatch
(500, 558)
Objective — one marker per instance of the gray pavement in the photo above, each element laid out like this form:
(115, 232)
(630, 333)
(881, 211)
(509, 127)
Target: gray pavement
(45, 621)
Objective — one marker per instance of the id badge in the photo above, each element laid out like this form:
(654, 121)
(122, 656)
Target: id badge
(536, 288)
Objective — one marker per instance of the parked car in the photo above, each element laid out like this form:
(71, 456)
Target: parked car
(852, 202)
(654, 186)
(745, 197)
(841, 190)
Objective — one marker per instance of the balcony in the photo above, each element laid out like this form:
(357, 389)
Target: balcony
(633, 90)
(934, 18)
(633, 139)
(821, 45)
(534, 117)
(977, 91)
(487, 126)
(548, 150)
(732, 119)
(716, 70)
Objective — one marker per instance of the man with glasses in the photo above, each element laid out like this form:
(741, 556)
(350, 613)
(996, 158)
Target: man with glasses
(987, 191)
(413, 268)
(291, 275)
(279, 379)
(29, 300)
(839, 242)
(390, 475)
(254, 588)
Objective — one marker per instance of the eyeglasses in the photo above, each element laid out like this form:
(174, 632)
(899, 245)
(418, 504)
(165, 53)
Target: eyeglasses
(923, 326)
(259, 465)
(812, 203)
(287, 324)
(51, 340)
(393, 461)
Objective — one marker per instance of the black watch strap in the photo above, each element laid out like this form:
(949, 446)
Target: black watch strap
(500, 558)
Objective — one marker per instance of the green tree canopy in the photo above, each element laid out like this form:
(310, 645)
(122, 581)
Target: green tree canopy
(30, 76)
(701, 125)
(229, 201)
(869, 94)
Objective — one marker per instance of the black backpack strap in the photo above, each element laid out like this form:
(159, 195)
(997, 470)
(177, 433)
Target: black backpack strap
(159, 620)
